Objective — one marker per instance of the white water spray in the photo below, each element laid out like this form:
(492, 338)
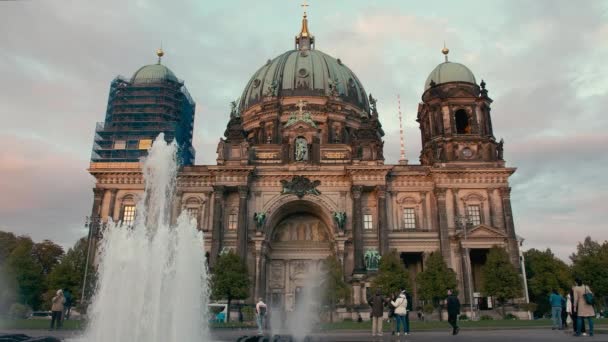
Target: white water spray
(153, 281)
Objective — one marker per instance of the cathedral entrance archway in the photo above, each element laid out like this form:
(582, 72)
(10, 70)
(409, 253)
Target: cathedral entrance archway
(299, 239)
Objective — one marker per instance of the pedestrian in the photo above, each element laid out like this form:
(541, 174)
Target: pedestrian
(569, 311)
(68, 304)
(400, 304)
(453, 305)
(409, 309)
(555, 299)
(574, 314)
(564, 313)
(260, 315)
(583, 302)
(57, 309)
(391, 313)
(377, 305)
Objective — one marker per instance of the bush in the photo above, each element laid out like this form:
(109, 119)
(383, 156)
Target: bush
(428, 308)
(511, 316)
(18, 311)
(348, 319)
(463, 317)
(486, 318)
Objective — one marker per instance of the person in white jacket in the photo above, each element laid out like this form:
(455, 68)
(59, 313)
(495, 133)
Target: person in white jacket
(400, 305)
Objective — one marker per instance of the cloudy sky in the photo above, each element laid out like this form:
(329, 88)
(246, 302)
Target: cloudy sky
(544, 63)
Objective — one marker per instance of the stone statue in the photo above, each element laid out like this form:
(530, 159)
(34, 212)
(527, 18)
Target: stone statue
(372, 105)
(259, 218)
(233, 109)
(272, 89)
(301, 149)
(372, 260)
(340, 218)
(220, 149)
(499, 149)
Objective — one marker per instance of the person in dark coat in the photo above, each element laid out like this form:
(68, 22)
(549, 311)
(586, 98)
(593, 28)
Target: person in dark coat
(408, 296)
(377, 304)
(453, 311)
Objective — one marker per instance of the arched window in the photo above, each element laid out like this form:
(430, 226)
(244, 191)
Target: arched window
(463, 126)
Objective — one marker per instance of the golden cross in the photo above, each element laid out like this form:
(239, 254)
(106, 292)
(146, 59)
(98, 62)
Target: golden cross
(304, 5)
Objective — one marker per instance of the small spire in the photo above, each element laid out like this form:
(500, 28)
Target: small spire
(160, 52)
(445, 51)
(304, 39)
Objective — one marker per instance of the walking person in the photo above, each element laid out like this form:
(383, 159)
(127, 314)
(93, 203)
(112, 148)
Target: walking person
(574, 315)
(377, 305)
(453, 305)
(569, 311)
(260, 315)
(564, 313)
(555, 299)
(400, 304)
(57, 309)
(583, 302)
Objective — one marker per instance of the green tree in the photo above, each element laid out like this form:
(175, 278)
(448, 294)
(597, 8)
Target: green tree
(24, 268)
(230, 278)
(590, 263)
(8, 241)
(69, 272)
(48, 254)
(392, 275)
(500, 279)
(334, 287)
(545, 272)
(435, 281)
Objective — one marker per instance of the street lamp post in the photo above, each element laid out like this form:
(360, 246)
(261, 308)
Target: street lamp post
(92, 223)
(463, 222)
(522, 262)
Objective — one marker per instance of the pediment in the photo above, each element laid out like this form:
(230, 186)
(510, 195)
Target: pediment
(301, 127)
(484, 231)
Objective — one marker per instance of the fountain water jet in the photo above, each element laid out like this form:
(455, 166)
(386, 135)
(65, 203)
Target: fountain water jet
(153, 280)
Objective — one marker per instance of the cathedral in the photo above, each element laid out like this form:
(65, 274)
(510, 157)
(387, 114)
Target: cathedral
(300, 173)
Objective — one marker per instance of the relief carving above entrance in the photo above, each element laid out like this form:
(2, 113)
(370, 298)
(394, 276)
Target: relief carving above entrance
(301, 228)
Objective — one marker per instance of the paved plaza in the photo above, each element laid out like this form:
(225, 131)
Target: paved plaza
(518, 335)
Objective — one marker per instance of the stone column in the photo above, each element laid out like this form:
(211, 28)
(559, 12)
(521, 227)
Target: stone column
(465, 274)
(241, 237)
(217, 229)
(357, 233)
(177, 206)
(356, 293)
(424, 224)
(96, 209)
(382, 220)
(497, 218)
(444, 238)
(113, 193)
(456, 200)
(509, 225)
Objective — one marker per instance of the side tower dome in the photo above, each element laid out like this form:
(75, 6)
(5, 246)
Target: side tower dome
(454, 118)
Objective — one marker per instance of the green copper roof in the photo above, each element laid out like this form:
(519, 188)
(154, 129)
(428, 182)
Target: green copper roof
(450, 72)
(153, 73)
(304, 73)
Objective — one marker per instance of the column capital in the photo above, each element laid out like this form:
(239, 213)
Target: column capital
(98, 192)
(219, 190)
(243, 191)
(113, 191)
(440, 193)
(505, 192)
(381, 191)
(356, 191)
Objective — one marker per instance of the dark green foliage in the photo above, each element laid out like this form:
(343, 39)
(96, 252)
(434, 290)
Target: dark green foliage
(590, 263)
(23, 267)
(69, 273)
(545, 272)
(334, 287)
(500, 279)
(230, 278)
(436, 279)
(47, 254)
(392, 275)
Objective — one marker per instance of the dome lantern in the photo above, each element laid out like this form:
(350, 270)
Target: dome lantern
(447, 72)
(305, 40)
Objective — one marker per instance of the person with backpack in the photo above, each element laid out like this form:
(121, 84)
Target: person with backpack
(57, 309)
(583, 302)
(555, 299)
(400, 304)
(260, 314)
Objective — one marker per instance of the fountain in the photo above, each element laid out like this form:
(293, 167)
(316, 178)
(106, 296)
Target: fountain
(153, 281)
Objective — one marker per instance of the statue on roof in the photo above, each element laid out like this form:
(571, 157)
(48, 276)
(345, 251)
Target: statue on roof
(372, 105)
(234, 112)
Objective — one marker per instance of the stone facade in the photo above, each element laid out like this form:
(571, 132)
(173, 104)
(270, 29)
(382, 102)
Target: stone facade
(300, 175)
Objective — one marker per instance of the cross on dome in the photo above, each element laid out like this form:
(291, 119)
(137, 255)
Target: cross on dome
(301, 104)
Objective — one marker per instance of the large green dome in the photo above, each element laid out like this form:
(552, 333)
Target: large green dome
(304, 72)
(449, 72)
(153, 73)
